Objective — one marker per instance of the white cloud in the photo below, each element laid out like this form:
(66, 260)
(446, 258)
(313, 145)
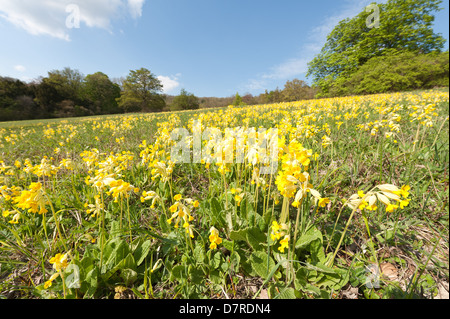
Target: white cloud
(50, 17)
(135, 7)
(20, 68)
(169, 83)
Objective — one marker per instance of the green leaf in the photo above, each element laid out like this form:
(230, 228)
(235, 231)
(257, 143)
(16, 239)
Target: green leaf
(312, 234)
(259, 261)
(216, 260)
(142, 251)
(317, 251)
(235, 260)
(72, 276)
(252, 235)
(239, 235)
(90, 283)
(195, 275)
(243, 209)
(163, 224)
(199, 253)
(256, 238)
(114, 252)
(128, 275)
(115, 229)
(301, 281)
(86, 264)
(127, 262)
(216, 213)
(286, 293)
(178, 273)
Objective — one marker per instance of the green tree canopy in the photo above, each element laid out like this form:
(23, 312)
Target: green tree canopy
(141, 92)
(404, 25)
(16, 100)
(297, 90)
(397, 72)
(185, 101)
(238, 100)
(100, 93)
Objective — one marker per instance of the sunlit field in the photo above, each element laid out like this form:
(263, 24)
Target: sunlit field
(356, 205)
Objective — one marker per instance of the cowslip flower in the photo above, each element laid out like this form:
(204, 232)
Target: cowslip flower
(238, 195)
(151, 195)
(181, 212)
(284, 243)
(388, 194)
(214, 238)
(160, 169)
(34, 199)
(323, 201)
(120, 188)
(278, 230)
(59, 262)
(189, 229)
(49, 282)
(96, 208)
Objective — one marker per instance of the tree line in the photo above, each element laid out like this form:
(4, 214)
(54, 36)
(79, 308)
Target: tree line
(68, 93)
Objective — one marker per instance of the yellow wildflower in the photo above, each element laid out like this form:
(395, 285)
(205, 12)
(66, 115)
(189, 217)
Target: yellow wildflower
(214, 238)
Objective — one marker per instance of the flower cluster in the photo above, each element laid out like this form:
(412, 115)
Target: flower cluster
(214, 238)
(34, 199)
(294, 182)
(390, 195)
(181, 212)
(60, 263)
(279, 232)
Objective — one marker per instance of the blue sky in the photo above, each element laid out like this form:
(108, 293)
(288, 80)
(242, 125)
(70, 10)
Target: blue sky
(208, 47)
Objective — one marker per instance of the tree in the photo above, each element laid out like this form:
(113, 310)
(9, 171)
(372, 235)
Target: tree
(141, 92)
(73, 80)
(297, 90)
(16, 100)
(396, 72)
(59, 93)
(249, 99)
(238, 100)
(405, 25)
(271, 97)
(185, 101)
(100, 94)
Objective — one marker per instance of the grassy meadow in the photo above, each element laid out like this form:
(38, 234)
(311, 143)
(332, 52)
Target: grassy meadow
(356, 208)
